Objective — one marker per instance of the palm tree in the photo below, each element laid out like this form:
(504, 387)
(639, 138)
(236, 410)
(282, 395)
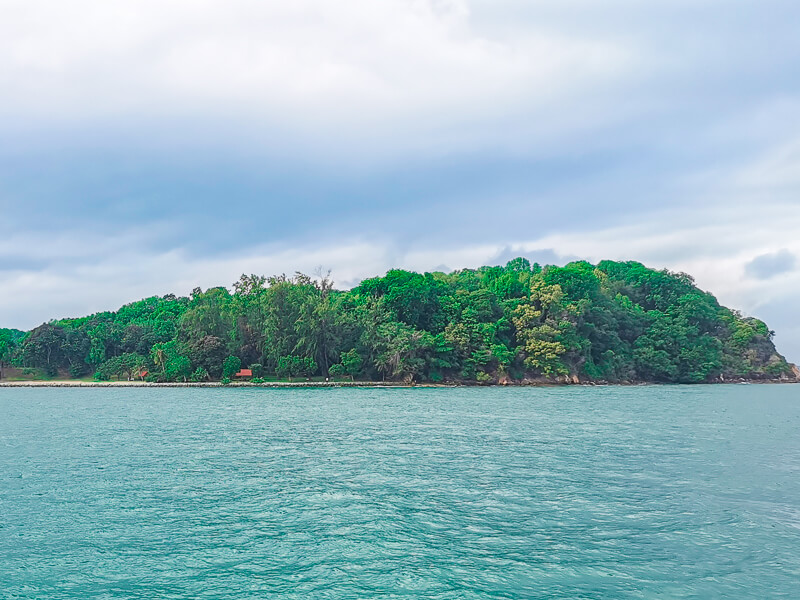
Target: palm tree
(159, 357)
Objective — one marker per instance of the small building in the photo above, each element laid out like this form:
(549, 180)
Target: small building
(244, 373)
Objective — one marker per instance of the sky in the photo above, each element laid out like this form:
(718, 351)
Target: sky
(154, 146)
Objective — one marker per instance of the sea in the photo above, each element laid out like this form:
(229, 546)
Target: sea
(435, 493)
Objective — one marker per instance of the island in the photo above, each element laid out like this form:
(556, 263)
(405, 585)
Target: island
(522, 323)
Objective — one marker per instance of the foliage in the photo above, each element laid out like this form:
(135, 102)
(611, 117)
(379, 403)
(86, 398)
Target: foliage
(128, 366)
(231, 366)
(295, 366)
(208, 352)
(170, 359)
(200, 374)
(350, 365)
(614, 321)
(9, 340)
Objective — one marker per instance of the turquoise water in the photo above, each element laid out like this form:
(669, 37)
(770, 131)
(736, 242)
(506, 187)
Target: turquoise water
(647, 492)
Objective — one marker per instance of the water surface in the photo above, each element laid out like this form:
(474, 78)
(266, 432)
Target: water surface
(617, 492)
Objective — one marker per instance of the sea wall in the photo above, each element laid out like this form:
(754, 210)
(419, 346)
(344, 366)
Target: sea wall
(144, 384)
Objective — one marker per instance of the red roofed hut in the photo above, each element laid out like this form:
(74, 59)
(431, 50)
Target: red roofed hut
(244, 373)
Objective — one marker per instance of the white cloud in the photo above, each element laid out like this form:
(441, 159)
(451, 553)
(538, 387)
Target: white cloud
(778, 169)
(308, 67)
(110, 274)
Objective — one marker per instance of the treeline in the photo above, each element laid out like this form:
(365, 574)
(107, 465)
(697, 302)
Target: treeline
(615, 321)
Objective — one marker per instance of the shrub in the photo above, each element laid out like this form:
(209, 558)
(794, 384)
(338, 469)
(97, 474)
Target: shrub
(351, 362)
(231, 366)
(294, 366)
(200, 374)
(77, 370)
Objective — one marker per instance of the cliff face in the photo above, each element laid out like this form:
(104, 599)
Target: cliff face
(754, 356)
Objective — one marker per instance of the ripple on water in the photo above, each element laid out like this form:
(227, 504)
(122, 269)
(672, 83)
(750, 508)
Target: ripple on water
(648, 492)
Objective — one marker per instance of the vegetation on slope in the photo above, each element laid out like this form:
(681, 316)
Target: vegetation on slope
(615, 321)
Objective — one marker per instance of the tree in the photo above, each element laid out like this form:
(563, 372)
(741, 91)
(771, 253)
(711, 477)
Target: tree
(44, 349)
(539, 328)
(9, 341)
(231, 366)
(288, 366)
(308, 366)
(406, 351)
(170, 358)
(200, 374)
(295, 366)
(351, 363)
(209, 314)
(208, 353)
(9, 338)
(414, 298)
(127, 366)
(76, 347)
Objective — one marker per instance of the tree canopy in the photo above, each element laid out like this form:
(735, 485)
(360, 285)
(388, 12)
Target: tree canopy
(614, 321)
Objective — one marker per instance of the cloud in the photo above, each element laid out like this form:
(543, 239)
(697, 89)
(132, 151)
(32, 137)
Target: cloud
(779, 168)
(116, 275)
(770, 265)
(150, 147)
(308, 69)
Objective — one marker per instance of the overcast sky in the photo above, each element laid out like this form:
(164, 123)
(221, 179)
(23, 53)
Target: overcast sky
(153, 146)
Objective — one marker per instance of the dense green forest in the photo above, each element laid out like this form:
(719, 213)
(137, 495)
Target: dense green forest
(615, 322)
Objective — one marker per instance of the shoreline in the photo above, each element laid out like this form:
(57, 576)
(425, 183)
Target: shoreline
(209, 384)
(354, 384)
